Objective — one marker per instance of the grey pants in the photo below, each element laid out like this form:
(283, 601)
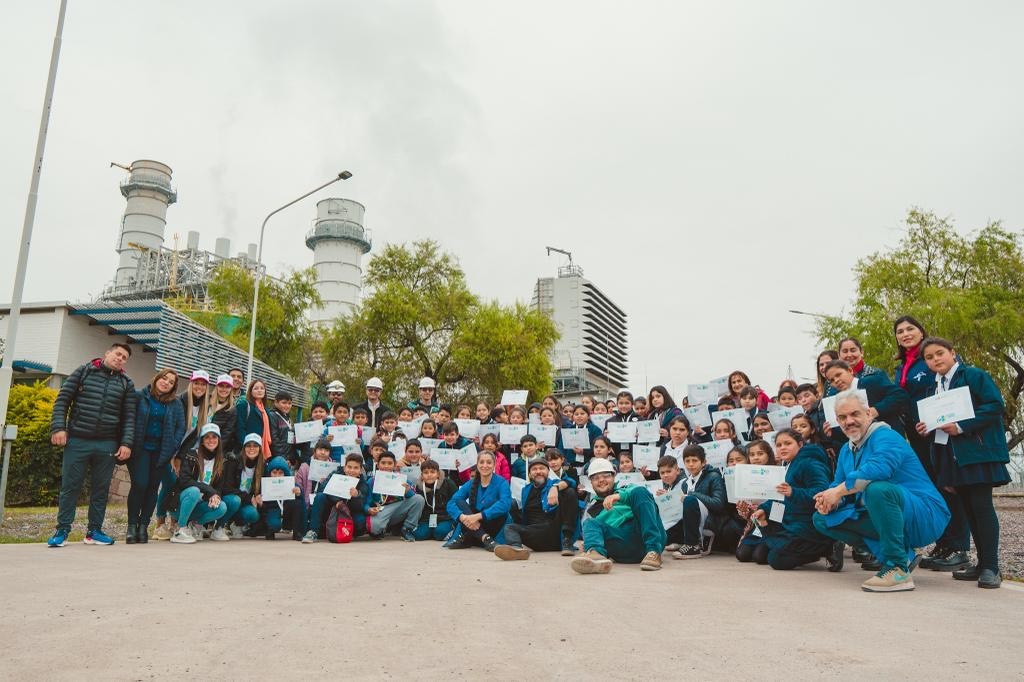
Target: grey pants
(78, 454)
(407, 513)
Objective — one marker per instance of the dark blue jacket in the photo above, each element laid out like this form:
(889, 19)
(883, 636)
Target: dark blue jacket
(891, 401)
(249, 419)
(593, 431)
(173, 427)
(984, 437)
(808, 474)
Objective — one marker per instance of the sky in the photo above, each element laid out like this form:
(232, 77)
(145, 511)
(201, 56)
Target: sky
(709, 165)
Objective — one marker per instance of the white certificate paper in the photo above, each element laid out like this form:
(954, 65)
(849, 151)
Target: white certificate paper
(429, 444)
(717, 452)
(411, 429)
(947, 407)
(632, 478)
(397, 447)
(698, 415)
(646, 456)
(277, 488)
(341, 486)
(621, 432)
(344, 434)
(389, 483)
(511, 434)
(701, 394)
(470, 428)
(737, 416)
(755, 482)
(670, 507)
(729, 475)
(514, 397)
(544, 433)
(576, 438)
(412, 473)
(445, 457)
(492, 428)
(782, 416)
(600, 420)
(307, 432)
(467, 457)
(516, 485)
(648, 431)
(319, 470)
(828, 406)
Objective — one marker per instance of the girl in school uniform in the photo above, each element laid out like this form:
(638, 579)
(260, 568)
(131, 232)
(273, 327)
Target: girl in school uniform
(581, 420)
(516, 415)
(760, 425)
(549, 416)
(197, 498)
(679, 437)
(603, 449)
(480, 507)
(970, 456)
(729, 536)
(724, 429)
(662, 409)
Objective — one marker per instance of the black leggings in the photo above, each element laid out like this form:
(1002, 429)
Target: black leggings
(757, 553)
(984, 524)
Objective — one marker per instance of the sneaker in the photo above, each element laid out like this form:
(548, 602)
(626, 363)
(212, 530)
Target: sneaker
(970, 572)
(889, 579)
(58, 539)
(196, 530)
(511, 553)
(835, 558)
(162, 532)
(407, 536)
(672, 547)
(183, 537)
(97, 537)
(489, 544)
(219, 535)
(567, 548)
(309, 537)
(688, 552)
(936, 553)
(951, 561)
(989, 579)
(236, 531)
(651, 562)
(457, 543)
(591, 562)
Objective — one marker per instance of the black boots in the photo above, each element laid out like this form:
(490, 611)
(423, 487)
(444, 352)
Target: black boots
(142, 536)
(131, 535)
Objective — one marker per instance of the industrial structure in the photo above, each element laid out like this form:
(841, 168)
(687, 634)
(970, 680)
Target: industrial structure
(150, 268)
(339, 242)
(590, 357)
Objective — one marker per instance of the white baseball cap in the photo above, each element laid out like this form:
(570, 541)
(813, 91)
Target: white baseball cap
(600, 466)
(427, 382)
(208, 429)
(375, 382)
(336, 386)
(254, 438)
(202, 375)
(225, 380)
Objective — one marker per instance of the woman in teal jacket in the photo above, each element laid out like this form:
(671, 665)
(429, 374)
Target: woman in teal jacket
(795, 542)
(970, 456)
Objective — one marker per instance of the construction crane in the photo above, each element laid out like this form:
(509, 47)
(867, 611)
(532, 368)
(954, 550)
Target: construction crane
(566, 270)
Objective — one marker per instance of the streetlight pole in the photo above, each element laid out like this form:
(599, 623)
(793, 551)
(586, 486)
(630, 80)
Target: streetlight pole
(7, 370)
(820, 316)
(343, 175)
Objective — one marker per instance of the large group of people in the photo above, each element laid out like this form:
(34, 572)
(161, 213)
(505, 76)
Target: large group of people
(629, 480)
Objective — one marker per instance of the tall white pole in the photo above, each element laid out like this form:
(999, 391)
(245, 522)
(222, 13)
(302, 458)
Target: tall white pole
(7, 371)
(343, 175)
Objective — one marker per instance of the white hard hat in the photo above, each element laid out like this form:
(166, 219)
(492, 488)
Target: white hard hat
(375, 382)
(600, 466)
(336, 386)
(427, 382)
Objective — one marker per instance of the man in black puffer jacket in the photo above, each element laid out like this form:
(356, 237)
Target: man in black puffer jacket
(94, 421)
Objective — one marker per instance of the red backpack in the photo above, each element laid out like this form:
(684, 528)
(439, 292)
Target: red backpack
(340, 527)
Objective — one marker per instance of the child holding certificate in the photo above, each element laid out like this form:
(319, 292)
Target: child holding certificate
(792, 540)
(663, 410)
(970, 455)
(490, 443)
(724, 429)
(273, 513)
(678, 438)
(704, 504)
(581, 420)
(322, 502)
(603, 450)
(624, 413)
(760, 425)
(526, 450)
(671, 481)
(435, 522)
(452, 441)
(385, 511)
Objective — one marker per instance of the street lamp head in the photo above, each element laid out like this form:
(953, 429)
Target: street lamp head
(344, 175)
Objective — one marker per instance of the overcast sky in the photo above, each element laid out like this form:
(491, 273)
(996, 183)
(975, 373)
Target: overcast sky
(710, 165)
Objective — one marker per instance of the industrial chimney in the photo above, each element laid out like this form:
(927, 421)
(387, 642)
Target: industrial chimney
(338, 241)
(149, 192)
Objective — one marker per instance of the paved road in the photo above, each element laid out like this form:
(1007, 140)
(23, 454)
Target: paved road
(252, 608)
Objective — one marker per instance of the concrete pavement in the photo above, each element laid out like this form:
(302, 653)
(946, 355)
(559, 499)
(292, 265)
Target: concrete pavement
(251, 608)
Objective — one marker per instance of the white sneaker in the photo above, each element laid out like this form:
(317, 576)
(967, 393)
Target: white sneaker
(183, 537)
(235, 531)
(309, 537)
(220, 535)
(196, 530)
(673, 547)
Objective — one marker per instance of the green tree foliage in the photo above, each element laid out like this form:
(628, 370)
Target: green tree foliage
(282, 332)
(967, 289)
(34, 476)
(421, 319)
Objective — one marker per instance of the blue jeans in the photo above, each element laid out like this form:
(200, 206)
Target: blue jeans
(629, 542)
(79, 454)
(425, 532)
(192, 507)
(168, 479)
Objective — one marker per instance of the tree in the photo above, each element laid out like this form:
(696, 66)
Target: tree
(421, 319)
(34, 476)
(967, 289)
(282, 332)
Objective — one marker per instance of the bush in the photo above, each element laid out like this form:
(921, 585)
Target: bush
(34, 477)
